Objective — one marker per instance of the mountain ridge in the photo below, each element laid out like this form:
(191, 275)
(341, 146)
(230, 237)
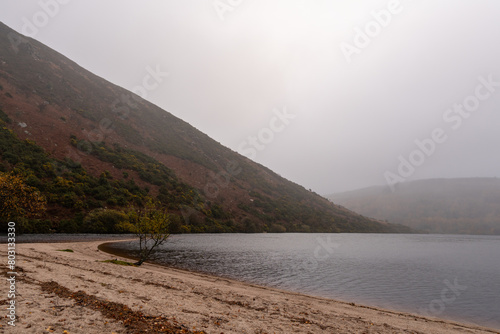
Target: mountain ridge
(83, 121)
(454, 206)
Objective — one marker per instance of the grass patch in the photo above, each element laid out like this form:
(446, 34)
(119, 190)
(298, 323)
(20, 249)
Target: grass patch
(65, 250)
(121, 263)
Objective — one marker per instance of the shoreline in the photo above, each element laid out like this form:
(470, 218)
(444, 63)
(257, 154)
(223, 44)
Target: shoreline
(189, 301)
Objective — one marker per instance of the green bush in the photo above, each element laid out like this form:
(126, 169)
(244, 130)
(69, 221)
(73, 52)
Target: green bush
(68, 226)
(103, 221)
(38, 226)
(275, 228)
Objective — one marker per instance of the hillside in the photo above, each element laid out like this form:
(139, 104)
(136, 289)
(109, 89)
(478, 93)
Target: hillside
(455, 206)
(86, 143)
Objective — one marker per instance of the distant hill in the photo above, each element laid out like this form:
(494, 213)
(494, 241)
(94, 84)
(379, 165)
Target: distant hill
(86, 143)
(455, 206)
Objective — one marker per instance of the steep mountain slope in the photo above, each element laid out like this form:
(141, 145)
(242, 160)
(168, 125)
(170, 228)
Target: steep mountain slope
(96, 135)
(462, 206)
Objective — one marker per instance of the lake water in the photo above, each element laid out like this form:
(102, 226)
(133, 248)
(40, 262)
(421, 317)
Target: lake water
(446, 276)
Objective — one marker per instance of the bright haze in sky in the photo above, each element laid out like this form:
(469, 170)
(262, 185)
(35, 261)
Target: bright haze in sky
(333, 95)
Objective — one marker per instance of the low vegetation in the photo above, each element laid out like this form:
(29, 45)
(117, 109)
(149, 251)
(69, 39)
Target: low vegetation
(120, 263)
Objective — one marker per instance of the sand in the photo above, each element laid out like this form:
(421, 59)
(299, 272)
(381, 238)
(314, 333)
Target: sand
(63, 292)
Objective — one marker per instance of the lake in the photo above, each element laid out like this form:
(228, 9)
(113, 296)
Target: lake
(446, 276)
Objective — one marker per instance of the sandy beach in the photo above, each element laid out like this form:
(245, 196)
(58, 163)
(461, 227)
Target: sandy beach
(75, 292)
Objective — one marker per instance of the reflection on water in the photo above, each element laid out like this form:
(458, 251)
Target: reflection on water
(456, 277)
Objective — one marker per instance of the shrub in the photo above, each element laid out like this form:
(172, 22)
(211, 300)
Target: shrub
(68, 226)
(103, 221)
(275, 228)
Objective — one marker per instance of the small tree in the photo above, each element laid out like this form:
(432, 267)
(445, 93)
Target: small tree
(151, 225)
(18, 199)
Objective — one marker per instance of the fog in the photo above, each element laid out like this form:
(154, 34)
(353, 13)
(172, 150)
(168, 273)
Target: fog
(334, 95)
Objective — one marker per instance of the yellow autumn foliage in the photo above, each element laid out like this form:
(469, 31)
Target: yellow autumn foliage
(17, 199)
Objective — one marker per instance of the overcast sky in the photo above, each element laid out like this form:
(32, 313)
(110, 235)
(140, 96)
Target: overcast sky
(356, 83)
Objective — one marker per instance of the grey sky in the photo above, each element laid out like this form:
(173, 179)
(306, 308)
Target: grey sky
(353, 120)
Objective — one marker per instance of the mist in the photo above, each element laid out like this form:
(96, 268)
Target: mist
(332, 95)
